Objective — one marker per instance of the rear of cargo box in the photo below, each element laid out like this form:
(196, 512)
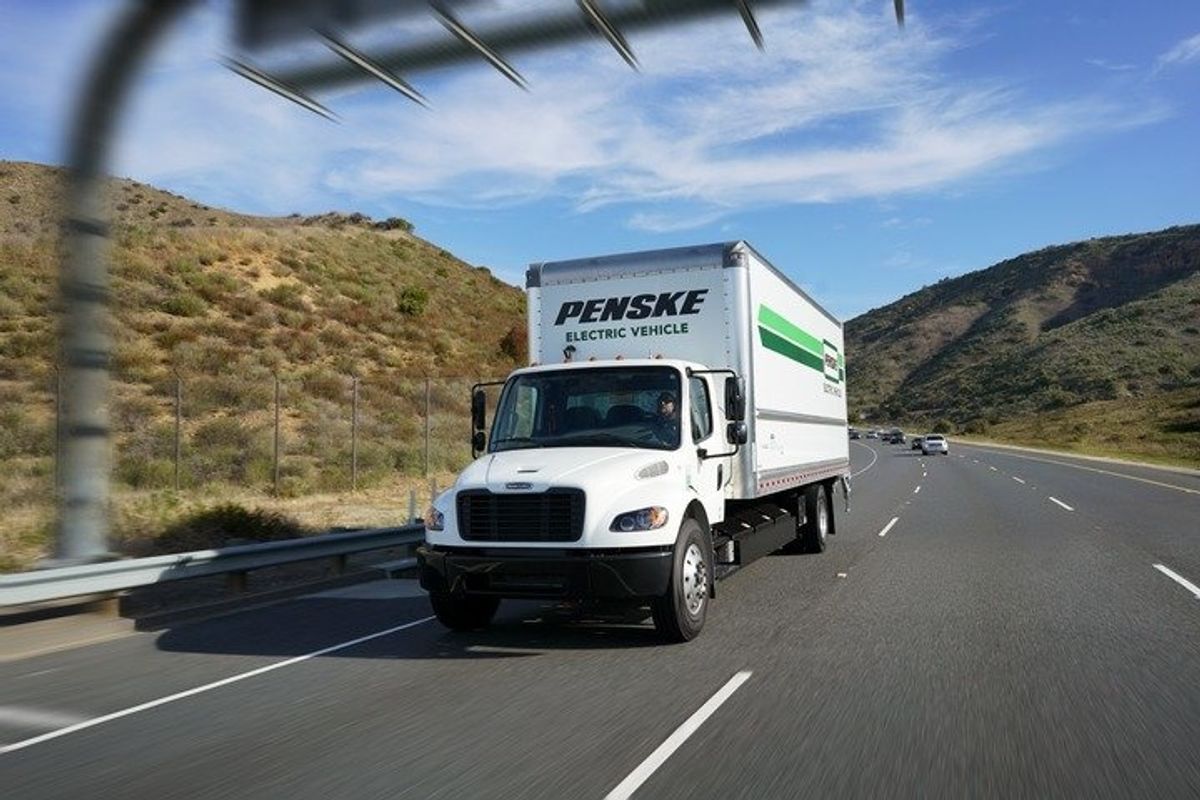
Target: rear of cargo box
(796, 389)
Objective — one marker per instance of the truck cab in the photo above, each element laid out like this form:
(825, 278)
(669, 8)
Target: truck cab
(587, 473)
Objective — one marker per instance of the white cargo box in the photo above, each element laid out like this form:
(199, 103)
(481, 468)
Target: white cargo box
(722, 306)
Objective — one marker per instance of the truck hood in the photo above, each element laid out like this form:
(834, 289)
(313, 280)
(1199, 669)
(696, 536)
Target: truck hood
(538, 470)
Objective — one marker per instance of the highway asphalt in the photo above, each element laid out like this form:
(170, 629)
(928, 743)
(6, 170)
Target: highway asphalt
(1020, 625)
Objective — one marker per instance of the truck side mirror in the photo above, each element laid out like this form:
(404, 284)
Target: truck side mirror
(737, 433)
(735, 400)
(478, 410)
(478, 421)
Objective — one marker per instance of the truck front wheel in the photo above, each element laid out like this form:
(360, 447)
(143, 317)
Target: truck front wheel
(463, 612)
(679, 614)
(817, 515)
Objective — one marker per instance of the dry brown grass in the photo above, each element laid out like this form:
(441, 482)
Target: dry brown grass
(227, 300)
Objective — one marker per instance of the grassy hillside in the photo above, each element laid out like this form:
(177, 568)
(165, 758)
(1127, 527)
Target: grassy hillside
(1066, 343)
(224, 302)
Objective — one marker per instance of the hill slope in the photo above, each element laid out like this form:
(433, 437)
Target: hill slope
(226, 301)
(1049, 335)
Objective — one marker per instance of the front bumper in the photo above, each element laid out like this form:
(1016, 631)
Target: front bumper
(564, 574)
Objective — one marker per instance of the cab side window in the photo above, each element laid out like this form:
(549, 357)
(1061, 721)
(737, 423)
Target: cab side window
(702, 425)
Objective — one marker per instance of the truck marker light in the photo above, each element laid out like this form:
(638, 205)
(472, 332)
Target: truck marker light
(653, 470)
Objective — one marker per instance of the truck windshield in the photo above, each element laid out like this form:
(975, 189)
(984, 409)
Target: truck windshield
(601, 407)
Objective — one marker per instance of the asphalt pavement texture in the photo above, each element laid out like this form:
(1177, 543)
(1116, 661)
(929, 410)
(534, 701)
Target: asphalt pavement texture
(1024, 628)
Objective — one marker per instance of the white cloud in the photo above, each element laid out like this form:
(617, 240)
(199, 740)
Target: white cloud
(669, 222)
(1101, 63)
(840, 107)
(900, 223)
(1184, 52)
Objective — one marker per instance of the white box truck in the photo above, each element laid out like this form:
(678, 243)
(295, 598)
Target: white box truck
(684, 414)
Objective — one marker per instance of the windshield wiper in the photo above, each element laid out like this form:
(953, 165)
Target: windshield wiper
(595, 438)
(516, 439)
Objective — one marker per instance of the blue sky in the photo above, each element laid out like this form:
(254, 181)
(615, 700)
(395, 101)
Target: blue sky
(864, 161)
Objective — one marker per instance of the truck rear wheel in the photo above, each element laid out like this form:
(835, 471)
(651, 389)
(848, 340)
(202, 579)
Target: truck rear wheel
(679, 614)
(463, 612)
(817, 516)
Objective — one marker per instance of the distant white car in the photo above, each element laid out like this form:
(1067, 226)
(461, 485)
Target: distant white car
(934, 443)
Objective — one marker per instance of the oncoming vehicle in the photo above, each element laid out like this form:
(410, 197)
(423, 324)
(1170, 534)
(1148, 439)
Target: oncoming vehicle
(686, 416)
(934, 443)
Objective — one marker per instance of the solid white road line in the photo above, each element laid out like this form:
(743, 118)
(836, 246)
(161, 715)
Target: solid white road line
(635, 779)
(1061, 503)
(1018, 480)
(1101, 471)
(91, 723)
(888, 527)
(917, 490)
(874, 458)
(1182, 581)
(21, 717)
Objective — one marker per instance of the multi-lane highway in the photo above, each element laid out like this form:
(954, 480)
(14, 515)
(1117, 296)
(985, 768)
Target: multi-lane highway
(991, 623)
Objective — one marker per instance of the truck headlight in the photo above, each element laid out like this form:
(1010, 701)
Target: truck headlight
(643, 519)
(434, 520)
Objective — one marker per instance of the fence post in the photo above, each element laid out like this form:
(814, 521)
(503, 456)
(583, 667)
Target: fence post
(58, 415)
(412, 505)
(276, 480)
(178, 426)
(354, 436)
(427, 407)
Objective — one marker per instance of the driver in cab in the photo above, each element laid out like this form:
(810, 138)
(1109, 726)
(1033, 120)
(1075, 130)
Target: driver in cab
(666, 419)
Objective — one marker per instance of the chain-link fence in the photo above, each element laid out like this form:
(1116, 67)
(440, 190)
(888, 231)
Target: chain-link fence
(287, 435)
(326, 449)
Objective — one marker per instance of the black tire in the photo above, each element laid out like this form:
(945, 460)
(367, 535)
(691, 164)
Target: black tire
(817, 515)
(680, 613)
(463, 612)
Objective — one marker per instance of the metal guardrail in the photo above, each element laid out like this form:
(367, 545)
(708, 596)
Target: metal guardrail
(112, 576)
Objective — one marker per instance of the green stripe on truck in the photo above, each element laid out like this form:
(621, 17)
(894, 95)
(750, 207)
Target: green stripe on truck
(784, 329)
(775, 342)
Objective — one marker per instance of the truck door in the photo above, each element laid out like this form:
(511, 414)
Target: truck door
(706, 476)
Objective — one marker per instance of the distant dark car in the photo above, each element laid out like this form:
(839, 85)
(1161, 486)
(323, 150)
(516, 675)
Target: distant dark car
(872, 435)
(916, 442)
(895, 436)
(854, 434)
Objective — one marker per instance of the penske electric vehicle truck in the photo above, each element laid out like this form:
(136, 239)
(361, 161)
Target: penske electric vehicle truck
(684, 414)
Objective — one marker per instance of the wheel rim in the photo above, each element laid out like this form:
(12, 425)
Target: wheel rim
(822, 516)
(695, 579)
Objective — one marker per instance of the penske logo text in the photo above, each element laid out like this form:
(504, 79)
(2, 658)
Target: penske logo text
(638, 306)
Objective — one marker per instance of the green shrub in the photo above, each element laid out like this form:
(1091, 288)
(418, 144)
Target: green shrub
(514, 344)
(184, 304)
(327, 385)
(287, 295)
(145, 473)
(412, 301)
(393, 224)
(218, 526)
(21, 435)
